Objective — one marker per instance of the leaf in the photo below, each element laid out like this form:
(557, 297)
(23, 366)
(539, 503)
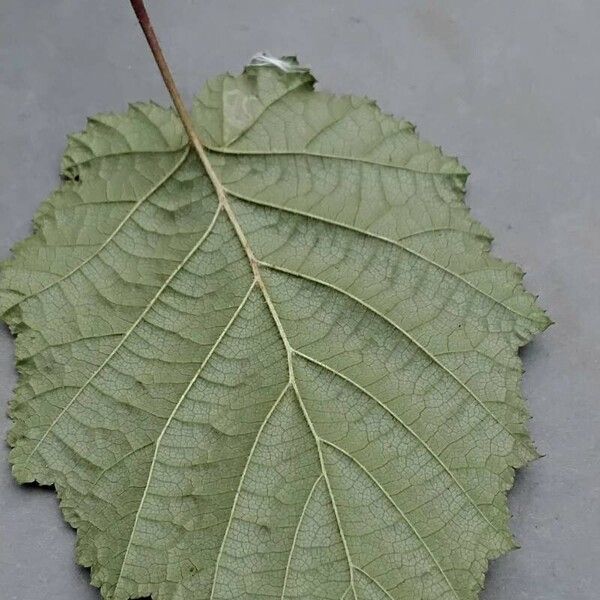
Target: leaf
(293, 374)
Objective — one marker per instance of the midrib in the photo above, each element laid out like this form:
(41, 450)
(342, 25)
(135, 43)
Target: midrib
(255, 264)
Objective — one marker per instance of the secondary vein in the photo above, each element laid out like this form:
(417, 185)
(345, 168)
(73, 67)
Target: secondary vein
(167, 424)
(405, 333)
(381, 238)
(397, 418)
(120, 226)
(134, 325)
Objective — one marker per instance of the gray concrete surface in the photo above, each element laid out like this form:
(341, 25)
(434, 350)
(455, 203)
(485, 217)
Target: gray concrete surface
(511, 87)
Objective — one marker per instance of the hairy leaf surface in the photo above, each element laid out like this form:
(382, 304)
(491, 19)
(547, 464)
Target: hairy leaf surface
(292, 375)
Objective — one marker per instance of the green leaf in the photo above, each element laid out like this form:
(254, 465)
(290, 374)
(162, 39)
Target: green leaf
(292, 374)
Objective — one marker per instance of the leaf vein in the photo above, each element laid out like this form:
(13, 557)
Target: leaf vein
(241, 482)
(400, 512)
(410, 430)
(289, 562)
(168, 422)
(225, 150)
(410, 338)
(381, 238)
(374, 581)
(148, 307)
(120, 226)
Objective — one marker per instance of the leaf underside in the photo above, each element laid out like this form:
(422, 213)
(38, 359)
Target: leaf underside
(293, 374)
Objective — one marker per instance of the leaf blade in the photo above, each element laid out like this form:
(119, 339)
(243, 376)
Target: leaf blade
(340, 240)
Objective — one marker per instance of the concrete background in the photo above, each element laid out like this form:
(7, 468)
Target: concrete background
(511, 87)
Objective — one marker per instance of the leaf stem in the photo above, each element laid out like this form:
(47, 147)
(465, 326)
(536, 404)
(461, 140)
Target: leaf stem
(144, 20)
(186, 119)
